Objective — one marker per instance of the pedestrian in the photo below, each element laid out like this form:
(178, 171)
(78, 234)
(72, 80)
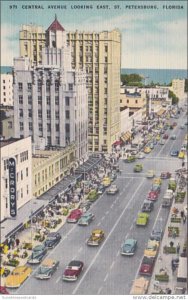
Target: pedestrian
(184, 219)
(178, 248)
(173, 267)
(183, 164)
(17, 242)
(182, 214)
(171, 244)
(174, 233)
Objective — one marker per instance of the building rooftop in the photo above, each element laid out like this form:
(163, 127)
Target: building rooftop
(55, 26)
(4, 143)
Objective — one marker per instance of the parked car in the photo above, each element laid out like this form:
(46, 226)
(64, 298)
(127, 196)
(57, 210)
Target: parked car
(138, 168)
(18, 276)
(157, 233)
(73, 270)
(147, 206)
(74, 216)
(53, 238)
(37, 254)
(152, 248)
(106, 181)
(161, 142)
(129, 247)
(112, 190)
(156, 188)
(142, 219)
(165, 136)
(130, 159)
(147, 266)
(150, 174)
(47, 268)
(172, 184)
(96, 238)
(86, 219)
(3, 290)
(84, 206)
(157, 180)
(181, 154)
(173, 137)
(174, 153)
(165, 175)
(113, 176)
(147, 150)
(93, 195)
(140, 155)
(140, 286)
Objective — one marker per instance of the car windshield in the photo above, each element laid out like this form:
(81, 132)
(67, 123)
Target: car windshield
(73, 267)
(96, 234)
(51, 238)
(44, 269)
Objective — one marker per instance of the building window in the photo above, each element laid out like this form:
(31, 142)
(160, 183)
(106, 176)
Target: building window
(39, 99)
(21, 175)
(127, 100)
(106, 59)
(48, 127)
(57, 140)
(29, 113)
(67, 101)
(48, 114)
(48, 100)
(27, 189)
(136, 101)
(106, 48)
(20, 99)
(10, 125)
(40, 113)
(40, 127)
(70, 86)
(67, 129)
(23, 156)
(21, 126)
(29, 99)
(56, 86)
(20, 86)
(21, 193)
(30, 126)
(27, 172)
(29, 86)
(57, 115)
(67, 114)
(49, 140)
(48, 85)
(57, 127)
(39, 85)
(57, 100)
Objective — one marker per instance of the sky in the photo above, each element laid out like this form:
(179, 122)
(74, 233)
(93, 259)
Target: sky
(151, 37)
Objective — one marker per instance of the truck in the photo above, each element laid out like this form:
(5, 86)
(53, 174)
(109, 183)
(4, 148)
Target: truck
(168, 197)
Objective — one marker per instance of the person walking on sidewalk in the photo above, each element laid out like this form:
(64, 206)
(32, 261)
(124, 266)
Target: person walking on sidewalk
(178, 248)
(184, 219)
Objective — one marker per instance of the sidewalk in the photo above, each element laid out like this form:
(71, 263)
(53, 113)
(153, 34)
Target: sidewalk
(164, 261)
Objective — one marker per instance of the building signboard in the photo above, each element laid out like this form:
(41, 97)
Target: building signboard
(12, 187)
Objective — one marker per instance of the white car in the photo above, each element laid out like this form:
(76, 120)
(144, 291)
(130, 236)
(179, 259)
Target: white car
(112, 190)
(141, 155)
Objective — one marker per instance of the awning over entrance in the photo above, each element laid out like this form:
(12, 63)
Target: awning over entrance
(117, 143)
(161, 111)
(126, 136)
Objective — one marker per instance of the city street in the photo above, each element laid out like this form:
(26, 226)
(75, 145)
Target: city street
(106, 271)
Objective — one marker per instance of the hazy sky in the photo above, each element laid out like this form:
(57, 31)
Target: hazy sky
(151, 38)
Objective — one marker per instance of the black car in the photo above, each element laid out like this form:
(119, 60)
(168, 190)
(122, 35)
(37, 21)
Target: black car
(37, 254)
(53, 238)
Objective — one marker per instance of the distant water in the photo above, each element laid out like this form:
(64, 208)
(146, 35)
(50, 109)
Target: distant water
(6, 69)
(162, 76)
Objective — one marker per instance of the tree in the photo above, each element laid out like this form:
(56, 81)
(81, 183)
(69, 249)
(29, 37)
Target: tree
(175, 99)
(131, 79)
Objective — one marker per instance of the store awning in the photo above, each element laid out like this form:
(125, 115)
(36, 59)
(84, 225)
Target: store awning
(126, 136)
(117, 143)
(161, 111)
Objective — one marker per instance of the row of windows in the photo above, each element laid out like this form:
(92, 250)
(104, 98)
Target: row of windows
(48, 83)
(48, 100)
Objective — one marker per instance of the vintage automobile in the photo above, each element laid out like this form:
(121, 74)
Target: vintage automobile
(73, 270)
(147, 206)
(86, 219)
(172, 184)
(165, 175)
(140, 155)
(84, 206)
(129, 247)
(130, 158)
(161, 142)
(150, 174)
(157, 233)
(165, 136)
(112, 190)
(181, 154)
(113, 176)
(101, 189)
(3, 290)
(157, 180)
(53, 238)
(142, 219)
(152, 195)
(93, 195)
(140, 286)
(151, 248)
(156, 188)
(173, 137)
(147, 266)
(174, 153)
(37, 254)
(18, 276)
(106, 181)
(138, 168)
(96, 238)
(74, 216)
(147, 150)
(47, 268)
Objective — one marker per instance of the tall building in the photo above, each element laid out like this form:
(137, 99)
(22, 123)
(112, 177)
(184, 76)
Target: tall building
(178, 88)
(19, 182)
(100, 55)
(51, 103)
(32, 41)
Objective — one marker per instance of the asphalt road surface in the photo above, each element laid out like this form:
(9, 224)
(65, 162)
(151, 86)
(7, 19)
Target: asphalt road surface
(106, 271)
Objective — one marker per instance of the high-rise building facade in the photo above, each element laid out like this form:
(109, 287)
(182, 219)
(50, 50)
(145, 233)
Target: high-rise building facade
(51, 103)
(6, 90)
(100, 55)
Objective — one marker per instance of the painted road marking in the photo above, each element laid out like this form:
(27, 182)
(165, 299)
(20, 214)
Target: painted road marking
(117, 254)
(99, 290)
(111, 231)
(106, 277)
(58, 279)
(112, 265)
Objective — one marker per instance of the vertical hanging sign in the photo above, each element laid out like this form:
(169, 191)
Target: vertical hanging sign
(12, 187)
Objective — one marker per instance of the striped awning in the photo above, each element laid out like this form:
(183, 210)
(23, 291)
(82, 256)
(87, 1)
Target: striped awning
(126, 136)
(161, 111)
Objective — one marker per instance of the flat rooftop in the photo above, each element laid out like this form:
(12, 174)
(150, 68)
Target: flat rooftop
(4, 143)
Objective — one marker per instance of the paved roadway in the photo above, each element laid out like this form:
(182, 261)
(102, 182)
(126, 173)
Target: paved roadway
(106, 271)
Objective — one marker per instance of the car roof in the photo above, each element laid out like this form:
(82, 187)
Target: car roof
(97, 231)
(129, 241)
(52, 234)
(75, 263)
(38, 247)
(48, 262)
